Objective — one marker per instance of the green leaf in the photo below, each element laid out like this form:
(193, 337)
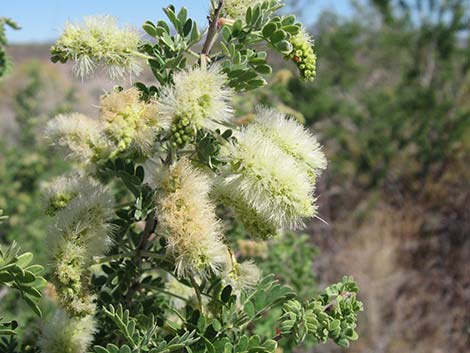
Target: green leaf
(6, 277)
(140, 173)
(292, 30)
(163, 25)
(24, 259)
(284, 47)
(277, 36)
(150, 28)
(100, 349)
(226, 292)
(226, 33)
(237, 28)
(7, 332)
(269, 29)
(270, 345)
(249, 15)
(195, 34)
(36, 269)
(32, 304)
(216, 325)
(183, 15)
(264, 69)
(31, 291)
(112, 348)
(26, 277)
(288, 20)
(125, 349)
(165, 38)
(187, 27)
(169, 11)
(250, 309)
(39, 283)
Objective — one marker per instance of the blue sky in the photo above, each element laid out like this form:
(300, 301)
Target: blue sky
(42, 20)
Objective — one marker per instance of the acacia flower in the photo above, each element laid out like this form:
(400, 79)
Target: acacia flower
(71, 263)
(244, 276)
(303, 55)
(236, 9)
(130, 122)
(85, 219)
(81, 232)
(198, 98)
(255, 223)
(291, 138)
(188, 219)
(59, 192)
(264, 184)
(80, 136)
(63, 333)
(99, 41)
(253, 248)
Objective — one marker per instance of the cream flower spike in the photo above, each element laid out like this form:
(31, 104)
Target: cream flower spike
(58, 193)
(236, 9)
(129, 122)
(81, 232)
(187, 218)
(62, 333)
(79, 136)
(292, 138)
(244, 276)
(99, 41)
(266, 186)
(85, 219)
(198, 98)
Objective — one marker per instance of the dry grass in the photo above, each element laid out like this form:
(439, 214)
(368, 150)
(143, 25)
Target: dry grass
(411, 258)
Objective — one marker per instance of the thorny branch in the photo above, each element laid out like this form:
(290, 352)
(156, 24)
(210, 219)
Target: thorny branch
(212, 32)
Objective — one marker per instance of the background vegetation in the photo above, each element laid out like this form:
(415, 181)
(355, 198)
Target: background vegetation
(391, 104)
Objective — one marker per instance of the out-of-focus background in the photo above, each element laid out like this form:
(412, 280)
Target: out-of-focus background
(390, 104)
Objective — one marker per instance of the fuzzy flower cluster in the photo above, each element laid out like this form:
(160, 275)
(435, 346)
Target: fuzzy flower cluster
(99, 41)
(236, 9)
(198, 98)
(125, 124)
(268, 176)
(253, 248)
(292, 139)
(303, 55)
(187, 218)
(80, 232)
(58, 193)
(63, 333)
(129, 122)
(244, 276)
(79, 135)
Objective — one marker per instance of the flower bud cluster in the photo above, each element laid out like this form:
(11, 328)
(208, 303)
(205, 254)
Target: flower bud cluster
(303, 55)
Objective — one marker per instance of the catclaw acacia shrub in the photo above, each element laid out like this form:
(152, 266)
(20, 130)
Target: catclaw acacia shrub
(141, 259)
